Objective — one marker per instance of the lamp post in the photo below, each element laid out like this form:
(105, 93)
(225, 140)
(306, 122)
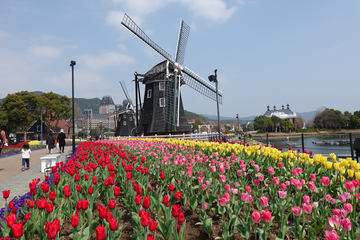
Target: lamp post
(213, 78)
(72, 64)
(237, 118)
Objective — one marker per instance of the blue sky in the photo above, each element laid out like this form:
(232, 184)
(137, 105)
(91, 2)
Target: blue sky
(268, 52)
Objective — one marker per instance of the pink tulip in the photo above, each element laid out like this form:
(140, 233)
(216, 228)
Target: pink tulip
(346, 224)
(296, 210)
(203, 186)
(263, 201)
(282, 194)
(307, 207)
(255, 216)
(311, 186)
(205, 205)
(348, 207)
(222, 178)
(349, 186)
(227, 187)
(271, 170)
(325, 181)
(234, 190)
(312, 177)
(306, 199)
(331, 235)
(334, 220)
(275, 180)
(266, 215)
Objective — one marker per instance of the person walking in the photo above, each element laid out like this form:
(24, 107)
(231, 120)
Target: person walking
(61, 140)
(2, 139)
(25, 153)
(50, 142)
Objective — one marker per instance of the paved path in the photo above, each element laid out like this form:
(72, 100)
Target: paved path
(17, 181)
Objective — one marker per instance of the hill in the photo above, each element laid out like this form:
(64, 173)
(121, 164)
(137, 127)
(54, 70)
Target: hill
(84, 103)
(191, 115)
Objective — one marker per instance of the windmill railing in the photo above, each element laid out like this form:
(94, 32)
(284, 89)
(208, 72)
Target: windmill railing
(190, 136)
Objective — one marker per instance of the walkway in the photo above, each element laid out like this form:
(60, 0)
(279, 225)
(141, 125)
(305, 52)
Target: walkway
(17, 181)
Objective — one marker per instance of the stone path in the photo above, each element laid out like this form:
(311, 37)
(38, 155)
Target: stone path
(17, 181)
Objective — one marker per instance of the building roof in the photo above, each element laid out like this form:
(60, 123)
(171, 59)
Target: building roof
(282, 113)
(107, 100)
(158, 72)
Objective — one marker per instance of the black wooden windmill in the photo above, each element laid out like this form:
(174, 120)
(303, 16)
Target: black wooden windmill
(162, 111)
(125, 124)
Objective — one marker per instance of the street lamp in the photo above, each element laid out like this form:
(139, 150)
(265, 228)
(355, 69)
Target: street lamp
(72, 64)
(237, 118)
(213, 78)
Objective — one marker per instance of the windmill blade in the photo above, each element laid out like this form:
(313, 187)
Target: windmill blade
(182, 41)
(133, 27)
(200, 85)
(122, 84)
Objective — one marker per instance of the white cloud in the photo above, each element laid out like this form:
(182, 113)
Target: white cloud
(106, 59)
(45, 51)
(215, 10)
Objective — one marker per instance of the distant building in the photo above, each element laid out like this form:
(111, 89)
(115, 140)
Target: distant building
(281, 113)
(107, 105)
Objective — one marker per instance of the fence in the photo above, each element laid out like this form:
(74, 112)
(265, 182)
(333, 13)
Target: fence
(191, 136)
(340, 144)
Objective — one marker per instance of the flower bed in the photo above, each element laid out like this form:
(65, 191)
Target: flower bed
(16, 149)
(178, 189)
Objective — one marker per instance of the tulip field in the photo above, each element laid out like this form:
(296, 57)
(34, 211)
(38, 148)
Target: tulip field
(180, 189)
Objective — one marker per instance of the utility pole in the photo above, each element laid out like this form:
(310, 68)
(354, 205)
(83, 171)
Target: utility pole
(72, 64)
(213, 78)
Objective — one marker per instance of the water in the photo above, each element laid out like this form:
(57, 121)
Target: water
(295, 143)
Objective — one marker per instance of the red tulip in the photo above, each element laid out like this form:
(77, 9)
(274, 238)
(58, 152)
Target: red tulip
(102, 212)
(94, 180)
(100, 232)
(90, 190)
(67, 191)
(6, 194)
(116, 191)
(31, 203)
(78, 188)
(171, 187)
(181, 218)
(17, 230)
(49, 207)
(84, 204)
(41, 204)
(146, 202)
(150, 237)
(113, 224)
(75, 220)
(178, 195)
(111, 203)
(138, 199)
(162, 175)
(44, 187)
(145, 219)
(10, 219)
(27, 216)
(175, 210)
(152, 225)
(52, 195)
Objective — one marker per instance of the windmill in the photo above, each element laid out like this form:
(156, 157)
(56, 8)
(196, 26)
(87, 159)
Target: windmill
(125, 124)
(162, 111)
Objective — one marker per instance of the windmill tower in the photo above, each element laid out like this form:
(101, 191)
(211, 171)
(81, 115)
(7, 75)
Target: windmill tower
(125, 124)
(162, 111)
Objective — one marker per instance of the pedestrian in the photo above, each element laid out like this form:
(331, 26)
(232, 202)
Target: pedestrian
(50, 142)
(2, 139)
(25, 152)
(61, 140)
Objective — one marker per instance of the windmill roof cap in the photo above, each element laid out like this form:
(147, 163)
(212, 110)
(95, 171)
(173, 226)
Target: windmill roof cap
(158, 71)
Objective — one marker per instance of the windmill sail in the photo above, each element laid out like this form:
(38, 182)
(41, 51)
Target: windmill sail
(133, 27)
(182, 41)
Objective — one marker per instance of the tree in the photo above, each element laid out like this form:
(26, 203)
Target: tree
(197, 123)
(55, 107)
(330, 119)
(299, 123)
(263, 123)
(19, 110)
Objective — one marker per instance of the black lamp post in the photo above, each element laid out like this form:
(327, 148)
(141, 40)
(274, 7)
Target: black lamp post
(237, 118)
(72, 64)
(213, 78)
